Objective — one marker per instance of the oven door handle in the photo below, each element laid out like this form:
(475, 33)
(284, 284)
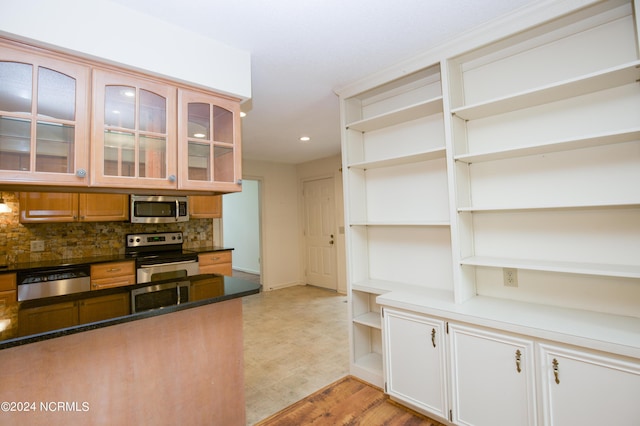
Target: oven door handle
(186, 262)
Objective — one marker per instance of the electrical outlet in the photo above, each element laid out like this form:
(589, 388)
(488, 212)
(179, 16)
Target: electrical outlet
(510, 277)
(37, 245)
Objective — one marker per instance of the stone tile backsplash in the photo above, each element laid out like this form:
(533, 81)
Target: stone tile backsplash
(82, 239)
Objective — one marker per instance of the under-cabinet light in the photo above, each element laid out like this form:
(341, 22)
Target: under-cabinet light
(4, 207)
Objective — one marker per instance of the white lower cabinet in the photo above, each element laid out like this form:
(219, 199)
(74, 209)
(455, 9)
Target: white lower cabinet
(585, 388)
(492, 378)
(479, 376)
(416, 361)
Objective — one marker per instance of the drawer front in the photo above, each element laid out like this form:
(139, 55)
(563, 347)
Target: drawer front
(119, 281)
(214, 258)
(7, 282)
(112, 269)
(222, 269)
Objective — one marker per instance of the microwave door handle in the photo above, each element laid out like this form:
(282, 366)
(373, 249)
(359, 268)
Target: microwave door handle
(166, 264)
(177, 210)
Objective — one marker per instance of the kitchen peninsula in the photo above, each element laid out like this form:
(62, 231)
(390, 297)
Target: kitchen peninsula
(177, 365)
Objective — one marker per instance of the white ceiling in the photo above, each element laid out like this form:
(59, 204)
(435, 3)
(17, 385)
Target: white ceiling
(302, 50)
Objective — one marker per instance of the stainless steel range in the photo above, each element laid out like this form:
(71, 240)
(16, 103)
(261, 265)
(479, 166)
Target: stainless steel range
(160, 256)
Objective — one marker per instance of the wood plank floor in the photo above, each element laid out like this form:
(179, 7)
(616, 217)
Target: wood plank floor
(348, 401)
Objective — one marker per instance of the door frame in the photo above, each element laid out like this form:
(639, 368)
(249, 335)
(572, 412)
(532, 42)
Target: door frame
(261, 232)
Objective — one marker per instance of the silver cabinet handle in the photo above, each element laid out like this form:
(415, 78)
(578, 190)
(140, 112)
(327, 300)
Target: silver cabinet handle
(518, 356)
(433, 337)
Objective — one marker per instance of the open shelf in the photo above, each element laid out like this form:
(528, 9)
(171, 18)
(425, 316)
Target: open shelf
(610, 270)
(417, 224)
(401, 115)
(621, 205)
(590, 83)
(370, 319)
(621, 136)
(433, 154)
(371, 362)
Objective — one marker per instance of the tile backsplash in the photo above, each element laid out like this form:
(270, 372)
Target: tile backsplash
(84, 239)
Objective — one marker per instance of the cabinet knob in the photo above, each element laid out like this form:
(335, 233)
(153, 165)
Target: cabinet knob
(81, 173)
(172, 178)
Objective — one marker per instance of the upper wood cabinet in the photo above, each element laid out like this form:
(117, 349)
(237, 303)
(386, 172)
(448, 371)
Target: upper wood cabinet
(37, 207)
(133, 132)
(43, 118)
(71, 122)
(209, 140)
(205, 206)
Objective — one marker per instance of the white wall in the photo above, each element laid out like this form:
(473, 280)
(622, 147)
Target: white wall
(318, 169)
(241, 224)
(118, 35)
(281, 254)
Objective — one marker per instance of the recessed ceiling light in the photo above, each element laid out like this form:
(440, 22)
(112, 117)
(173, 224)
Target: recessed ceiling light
(305, 139)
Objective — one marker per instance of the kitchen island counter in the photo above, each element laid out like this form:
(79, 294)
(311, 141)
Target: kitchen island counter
(204, 289)
(178, 365)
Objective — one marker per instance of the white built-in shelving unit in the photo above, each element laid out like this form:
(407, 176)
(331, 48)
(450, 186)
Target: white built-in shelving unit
(522, 152)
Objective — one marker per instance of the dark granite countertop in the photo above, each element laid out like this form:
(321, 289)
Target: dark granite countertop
(90, 260)
(214, 288)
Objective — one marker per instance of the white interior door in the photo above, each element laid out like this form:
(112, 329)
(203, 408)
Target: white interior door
(319, 232)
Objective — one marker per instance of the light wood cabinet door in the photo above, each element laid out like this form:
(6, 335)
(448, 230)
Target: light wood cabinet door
(48, 207)
(113, 274)
(588, 388)
(416, 361)
(104, 307)
(71, 207)
(218, 262)
(206, 288)
(44, 136)
(133, 132)
(103, 207)
(47, 318)
(492, 378)
(209, 157)
(205, 206)
(8, 281)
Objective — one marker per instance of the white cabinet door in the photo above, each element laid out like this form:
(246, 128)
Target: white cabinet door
(581, 388)
(492, 378)
(415, 361)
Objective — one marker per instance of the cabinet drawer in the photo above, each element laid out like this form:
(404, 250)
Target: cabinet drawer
(7, 282)
(223, 269)
(101, 283)
(112, 269)
(114, 274)
(214, 258)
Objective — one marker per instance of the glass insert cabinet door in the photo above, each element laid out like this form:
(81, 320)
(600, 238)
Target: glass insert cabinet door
(43, 117)
(209, 133)
(133, 132)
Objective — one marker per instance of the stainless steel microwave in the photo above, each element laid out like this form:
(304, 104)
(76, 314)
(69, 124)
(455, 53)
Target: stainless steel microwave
(159, 209)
